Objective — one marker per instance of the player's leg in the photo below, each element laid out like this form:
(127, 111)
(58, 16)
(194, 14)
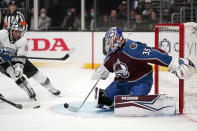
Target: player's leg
(101, 100)
(45, 82)
(21, 82)
(142, 88)
(32, 72)
(105, 98)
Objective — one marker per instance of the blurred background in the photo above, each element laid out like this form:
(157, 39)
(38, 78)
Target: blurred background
(99, 15)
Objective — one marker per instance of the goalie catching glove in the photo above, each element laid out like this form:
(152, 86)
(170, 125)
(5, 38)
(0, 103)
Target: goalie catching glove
(183, 68)
(100, 73)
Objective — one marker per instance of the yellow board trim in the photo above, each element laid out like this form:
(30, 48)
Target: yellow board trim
(50, 64)
(89, 66)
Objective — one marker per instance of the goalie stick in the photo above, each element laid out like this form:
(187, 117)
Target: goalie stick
(76, 108)
(19, 106)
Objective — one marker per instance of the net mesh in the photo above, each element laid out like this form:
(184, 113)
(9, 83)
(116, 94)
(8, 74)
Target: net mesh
(169, 39)
(190, 51)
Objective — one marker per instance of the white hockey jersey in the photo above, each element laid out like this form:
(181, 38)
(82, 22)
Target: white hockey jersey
(19, 48)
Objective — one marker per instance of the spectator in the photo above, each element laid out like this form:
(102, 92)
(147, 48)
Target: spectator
(166, 16)
(30, 14)
(3, 4)
(67, 15)
(132, 18)
(88, 19)
(113, 18)
(92, 21)
(147, 12)
(77, 21)
(139, 8)
(139, 24)
(122, 12)
(153, 21)
(44, 21)
(72, 20)
(56, 12)
(103, 23)
(32, 19)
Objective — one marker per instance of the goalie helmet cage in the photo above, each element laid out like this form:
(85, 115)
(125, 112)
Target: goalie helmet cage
(179, 40)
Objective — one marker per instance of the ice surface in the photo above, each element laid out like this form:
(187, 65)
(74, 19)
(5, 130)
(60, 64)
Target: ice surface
(75, 84)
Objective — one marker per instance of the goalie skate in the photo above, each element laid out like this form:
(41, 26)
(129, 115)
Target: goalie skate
(101, 101)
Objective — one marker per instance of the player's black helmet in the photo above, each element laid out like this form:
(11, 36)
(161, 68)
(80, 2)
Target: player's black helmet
(12, 2)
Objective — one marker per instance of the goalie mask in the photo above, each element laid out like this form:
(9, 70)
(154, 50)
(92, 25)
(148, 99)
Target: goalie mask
(16, 31)
(113, 38)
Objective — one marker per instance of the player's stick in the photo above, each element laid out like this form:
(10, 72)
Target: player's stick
(35, 104)
(76, 108)
(43, 58)
(19, 106)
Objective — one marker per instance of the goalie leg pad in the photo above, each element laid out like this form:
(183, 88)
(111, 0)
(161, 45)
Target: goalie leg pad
(150, 105)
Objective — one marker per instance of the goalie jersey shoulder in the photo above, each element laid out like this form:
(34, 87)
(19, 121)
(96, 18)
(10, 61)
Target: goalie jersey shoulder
(134, 49)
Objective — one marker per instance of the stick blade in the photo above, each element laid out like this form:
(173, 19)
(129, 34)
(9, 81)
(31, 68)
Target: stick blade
(65, 57)
(19, 106)
(73, 108)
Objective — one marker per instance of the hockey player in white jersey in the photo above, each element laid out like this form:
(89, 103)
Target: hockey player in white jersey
(12, 43)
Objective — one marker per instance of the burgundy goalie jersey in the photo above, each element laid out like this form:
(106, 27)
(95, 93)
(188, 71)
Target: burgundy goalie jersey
(133, 62)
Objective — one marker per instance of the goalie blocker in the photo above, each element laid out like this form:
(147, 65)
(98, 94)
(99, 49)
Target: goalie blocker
(151, 105)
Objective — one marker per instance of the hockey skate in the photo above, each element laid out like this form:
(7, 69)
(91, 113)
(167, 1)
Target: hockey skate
(54, 91)
(101, 100)
(47, 84)
(31, 93)
(32, 96)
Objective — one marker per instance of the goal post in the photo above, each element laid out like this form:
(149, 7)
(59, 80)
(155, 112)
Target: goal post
(179, 40)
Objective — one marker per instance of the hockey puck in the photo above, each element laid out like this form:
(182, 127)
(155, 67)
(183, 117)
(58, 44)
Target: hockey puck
(66, 105)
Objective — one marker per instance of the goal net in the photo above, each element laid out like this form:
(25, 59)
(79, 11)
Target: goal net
(178, 40)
